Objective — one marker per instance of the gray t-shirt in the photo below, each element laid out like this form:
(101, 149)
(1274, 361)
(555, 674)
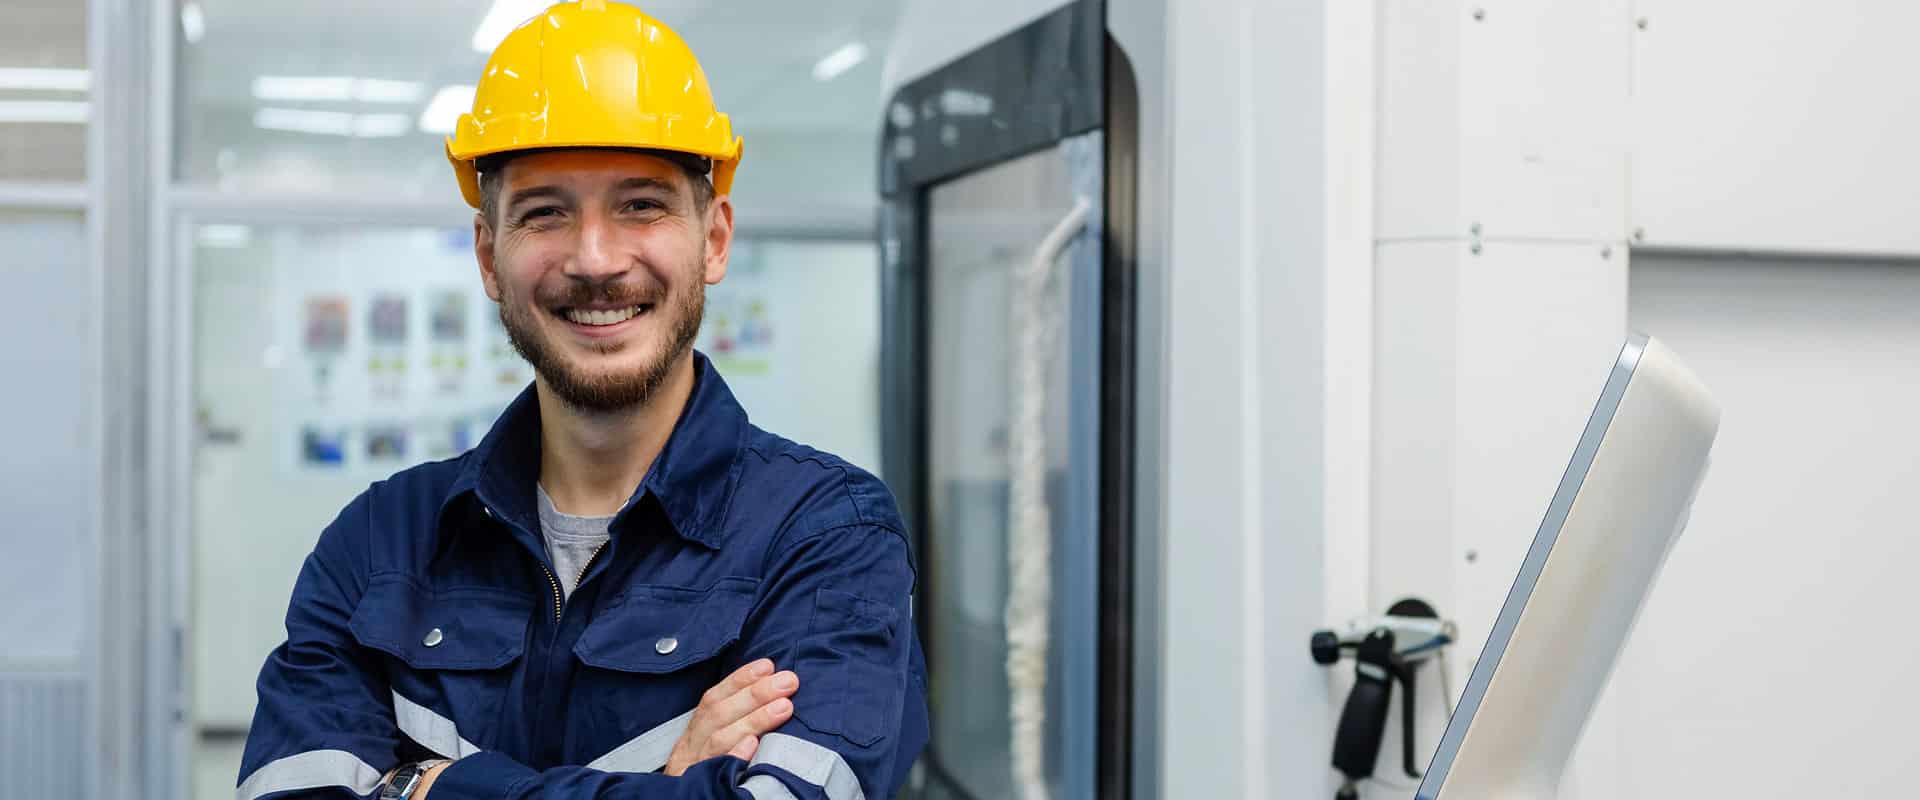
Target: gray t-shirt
(571, 540)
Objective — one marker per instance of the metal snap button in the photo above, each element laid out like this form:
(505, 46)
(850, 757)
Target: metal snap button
(666, 646)
(433, 638)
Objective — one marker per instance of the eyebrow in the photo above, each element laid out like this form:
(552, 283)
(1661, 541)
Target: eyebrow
(536, 192)
(646, 183)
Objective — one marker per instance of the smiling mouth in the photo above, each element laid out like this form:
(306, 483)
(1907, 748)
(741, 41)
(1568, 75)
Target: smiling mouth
(600, 318)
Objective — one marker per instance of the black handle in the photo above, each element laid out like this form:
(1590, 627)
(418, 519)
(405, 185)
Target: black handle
(1407, 762)
(1363, 723)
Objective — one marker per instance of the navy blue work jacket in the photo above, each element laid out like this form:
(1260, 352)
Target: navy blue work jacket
(427, 622)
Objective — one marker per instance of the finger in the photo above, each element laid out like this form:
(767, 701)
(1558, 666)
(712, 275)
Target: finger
(740, 679)
(763, 691)
(714, 713)
(762, 720)
(746, 748)
(770, 716)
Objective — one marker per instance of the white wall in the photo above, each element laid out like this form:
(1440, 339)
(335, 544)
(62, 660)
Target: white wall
(1771, 660)
(1784, 125)
(1247, 420)
(1499, 303)
(1760, 127)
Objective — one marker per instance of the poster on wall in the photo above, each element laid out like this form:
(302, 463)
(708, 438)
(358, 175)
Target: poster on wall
(447, 318)
(737, 332)
(386, 443)
(324, 341)
(324, 447)
(510, 372)
(387, 347)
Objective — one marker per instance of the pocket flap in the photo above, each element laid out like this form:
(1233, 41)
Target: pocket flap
(453, 629)
(657, 629)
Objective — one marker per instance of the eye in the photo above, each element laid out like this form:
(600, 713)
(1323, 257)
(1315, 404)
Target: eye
(641, 204)
(537, 214)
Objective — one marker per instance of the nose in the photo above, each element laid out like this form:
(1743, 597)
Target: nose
(599, 255)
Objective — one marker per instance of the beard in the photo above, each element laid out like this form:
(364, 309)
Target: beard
(581, 388)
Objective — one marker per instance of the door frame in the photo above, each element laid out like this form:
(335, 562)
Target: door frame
(1055, 78)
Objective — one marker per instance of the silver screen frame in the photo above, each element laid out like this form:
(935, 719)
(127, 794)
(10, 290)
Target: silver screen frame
(1530, 569)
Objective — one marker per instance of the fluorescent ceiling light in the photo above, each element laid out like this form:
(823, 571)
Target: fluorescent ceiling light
(444, 110)
(298, 120)
(330, 123)
(847, 57)
(288, 88)
(381, 126)
(52, 111)
(369, 90)
(502, 19)
(49, 80)
(193, 22)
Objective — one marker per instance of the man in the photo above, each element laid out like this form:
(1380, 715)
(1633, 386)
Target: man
(592, 602)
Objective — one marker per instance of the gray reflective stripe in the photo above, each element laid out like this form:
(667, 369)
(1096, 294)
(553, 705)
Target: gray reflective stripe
(310, 770)
(809, 762)
(764, 787)
(429, 729)
(646, 752)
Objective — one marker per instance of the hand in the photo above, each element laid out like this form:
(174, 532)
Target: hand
(732, 715)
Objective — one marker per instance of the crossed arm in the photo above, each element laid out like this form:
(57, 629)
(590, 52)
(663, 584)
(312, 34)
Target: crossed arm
(833, 610)
(728, 722)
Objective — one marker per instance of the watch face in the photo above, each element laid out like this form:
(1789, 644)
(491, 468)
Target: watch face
(402, 782)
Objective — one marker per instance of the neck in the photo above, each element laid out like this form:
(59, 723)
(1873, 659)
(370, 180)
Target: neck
(591, 462)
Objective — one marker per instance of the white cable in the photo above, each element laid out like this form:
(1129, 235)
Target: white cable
(1029, 524)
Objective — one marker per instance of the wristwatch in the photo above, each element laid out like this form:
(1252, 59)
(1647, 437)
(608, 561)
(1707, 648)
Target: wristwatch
(406, 779)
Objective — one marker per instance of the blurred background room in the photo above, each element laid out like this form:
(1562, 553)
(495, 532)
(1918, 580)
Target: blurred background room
(1343, 283)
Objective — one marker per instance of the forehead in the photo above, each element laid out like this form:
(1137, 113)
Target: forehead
(587, 169)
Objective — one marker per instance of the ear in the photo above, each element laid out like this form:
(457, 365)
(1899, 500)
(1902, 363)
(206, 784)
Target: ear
(719, 237)
(483, 253)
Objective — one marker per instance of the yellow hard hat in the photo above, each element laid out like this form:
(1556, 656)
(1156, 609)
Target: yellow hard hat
(592, 74)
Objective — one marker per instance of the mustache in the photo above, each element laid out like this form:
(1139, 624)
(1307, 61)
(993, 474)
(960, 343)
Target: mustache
(580, 293)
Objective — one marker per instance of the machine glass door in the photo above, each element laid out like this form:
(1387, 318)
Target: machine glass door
(1010, 550)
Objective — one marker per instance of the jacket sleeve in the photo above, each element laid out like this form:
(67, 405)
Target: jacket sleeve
(837, 610)
(323, 726)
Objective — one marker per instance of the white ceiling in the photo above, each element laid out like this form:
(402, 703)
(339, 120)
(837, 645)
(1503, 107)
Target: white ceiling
(758, 54)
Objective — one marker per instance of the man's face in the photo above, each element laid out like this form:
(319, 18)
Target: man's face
(599, 260)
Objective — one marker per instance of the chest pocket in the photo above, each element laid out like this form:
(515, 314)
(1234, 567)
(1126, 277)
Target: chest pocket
(655, 649)
(450, 657)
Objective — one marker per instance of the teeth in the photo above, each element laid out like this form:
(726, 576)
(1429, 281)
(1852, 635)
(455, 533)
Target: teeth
(603, 317)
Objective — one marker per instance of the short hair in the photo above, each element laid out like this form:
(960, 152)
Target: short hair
(490, 167)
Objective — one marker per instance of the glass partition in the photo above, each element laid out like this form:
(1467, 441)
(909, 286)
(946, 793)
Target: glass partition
(51, 481)
(984, 229)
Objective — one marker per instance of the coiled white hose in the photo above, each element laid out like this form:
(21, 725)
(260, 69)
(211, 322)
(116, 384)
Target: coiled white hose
(1029, 523)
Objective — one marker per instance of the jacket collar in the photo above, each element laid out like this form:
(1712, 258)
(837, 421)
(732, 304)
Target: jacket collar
(693, 477)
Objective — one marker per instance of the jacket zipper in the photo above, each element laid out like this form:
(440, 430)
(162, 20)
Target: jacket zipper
(588, 564)
(556, 591)
(558, 598)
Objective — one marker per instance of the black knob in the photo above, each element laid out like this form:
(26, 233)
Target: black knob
(1326, 648)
